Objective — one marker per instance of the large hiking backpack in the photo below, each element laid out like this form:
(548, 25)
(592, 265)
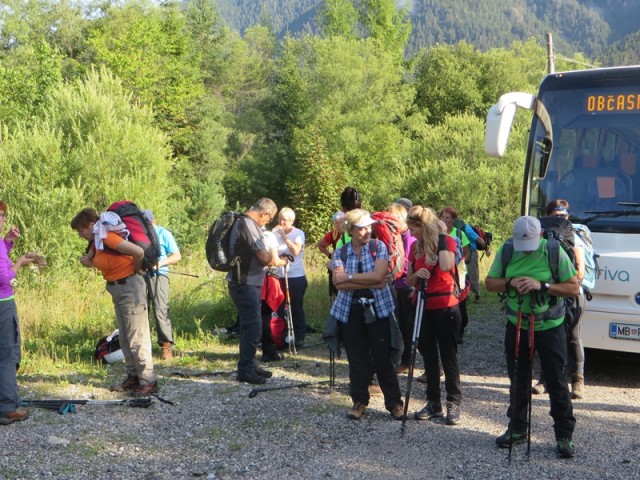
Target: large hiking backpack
(583, 239)
(387, 230)
(219, 247)
(141, 231)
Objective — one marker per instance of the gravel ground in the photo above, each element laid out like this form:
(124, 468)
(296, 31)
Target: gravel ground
(217, 431)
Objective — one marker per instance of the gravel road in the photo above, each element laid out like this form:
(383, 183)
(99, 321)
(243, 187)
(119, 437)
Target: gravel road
(217, 431)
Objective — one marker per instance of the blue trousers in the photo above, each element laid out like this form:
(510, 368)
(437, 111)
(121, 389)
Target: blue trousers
(9, 356)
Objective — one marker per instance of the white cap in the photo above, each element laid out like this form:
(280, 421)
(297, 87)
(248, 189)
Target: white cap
(364, 221)
(526, 234)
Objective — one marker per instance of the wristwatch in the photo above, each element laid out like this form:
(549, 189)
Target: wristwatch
(350, 277)
(544, 287)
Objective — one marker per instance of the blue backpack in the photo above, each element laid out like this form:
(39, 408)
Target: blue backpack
(583, 239)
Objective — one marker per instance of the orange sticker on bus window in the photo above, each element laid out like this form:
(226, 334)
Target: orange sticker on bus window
(606, 187)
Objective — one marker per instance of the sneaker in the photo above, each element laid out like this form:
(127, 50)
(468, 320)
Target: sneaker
(453, 413)
(263, 372)
(19, 415)
(422, 378)
(402, 368)
(145, 390)
(252, 377)
(397, 412)
(566, 448)
(357, 411)
(375, 391)
(274, 357)
(430, 411)
(129, 383)
(507, 438)
(166, 353)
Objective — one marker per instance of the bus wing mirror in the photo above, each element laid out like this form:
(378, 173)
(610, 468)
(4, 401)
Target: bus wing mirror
(500, 118)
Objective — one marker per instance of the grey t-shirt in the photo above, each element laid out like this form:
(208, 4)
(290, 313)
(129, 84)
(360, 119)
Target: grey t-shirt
(249, 240)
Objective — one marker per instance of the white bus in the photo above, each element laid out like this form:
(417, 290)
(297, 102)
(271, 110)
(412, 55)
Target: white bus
(584, 147)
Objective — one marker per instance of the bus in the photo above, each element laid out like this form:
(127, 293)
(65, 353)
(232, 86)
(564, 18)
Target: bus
(584, 147)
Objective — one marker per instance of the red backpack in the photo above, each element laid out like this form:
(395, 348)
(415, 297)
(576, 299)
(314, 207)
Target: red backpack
(141, 231)
(387, 230)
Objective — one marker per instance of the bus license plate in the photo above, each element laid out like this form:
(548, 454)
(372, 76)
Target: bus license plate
(624, 331)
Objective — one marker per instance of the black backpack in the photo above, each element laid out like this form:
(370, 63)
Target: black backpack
(221, 242)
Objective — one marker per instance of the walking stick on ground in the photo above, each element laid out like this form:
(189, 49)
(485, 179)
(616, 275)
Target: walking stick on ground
(532, 322)
(414, 346)
(515, 375)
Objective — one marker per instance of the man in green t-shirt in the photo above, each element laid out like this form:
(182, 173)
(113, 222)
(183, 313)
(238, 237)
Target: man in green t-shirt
(529, 285)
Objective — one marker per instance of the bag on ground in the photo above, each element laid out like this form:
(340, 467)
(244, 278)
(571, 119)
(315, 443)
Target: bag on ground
(108, 349)
(141, 231)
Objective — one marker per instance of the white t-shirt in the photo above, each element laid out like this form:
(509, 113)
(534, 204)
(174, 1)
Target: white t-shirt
(296, 268)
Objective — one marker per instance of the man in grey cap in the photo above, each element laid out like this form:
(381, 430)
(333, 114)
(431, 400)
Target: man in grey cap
(533, 298)
(405, 202)
(158, 286)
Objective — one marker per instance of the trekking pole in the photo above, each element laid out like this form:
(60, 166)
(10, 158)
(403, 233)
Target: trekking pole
(142, 402)
(290, 335)
(332, 369)
(417, 324)
(515, 374)
(532, 320)
(184, 274)
(258, 390)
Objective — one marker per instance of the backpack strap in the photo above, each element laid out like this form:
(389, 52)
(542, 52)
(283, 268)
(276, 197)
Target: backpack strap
(553, 251)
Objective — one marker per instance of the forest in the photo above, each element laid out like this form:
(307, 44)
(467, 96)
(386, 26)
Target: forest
(166, 104)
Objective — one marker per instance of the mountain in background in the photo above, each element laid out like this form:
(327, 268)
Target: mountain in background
(603, 30)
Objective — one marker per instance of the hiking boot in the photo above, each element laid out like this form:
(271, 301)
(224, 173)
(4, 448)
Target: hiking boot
(453, 413)
(145, 390)
(397, 412)
(19, 415)
(166, 353)
(402, 368)
(375, 391)
(252, 377)
(430, 411)
(507, 438)
(539, 388)
(566, 448)
(422, 378)
(577, 386)
(263, 372)
(274, 357)
(357, 411)
(129, 383)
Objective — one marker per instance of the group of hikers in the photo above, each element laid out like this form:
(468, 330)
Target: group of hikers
(373, 312)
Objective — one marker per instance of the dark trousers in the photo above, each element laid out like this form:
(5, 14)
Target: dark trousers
(551, 346)
(364, 342)
(247, 301)
(406, 314)
(268, 345)
(297, 289)
(9, 356)
(439, 334)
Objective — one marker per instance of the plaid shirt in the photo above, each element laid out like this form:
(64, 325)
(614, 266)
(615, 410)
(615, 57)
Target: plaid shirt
(384, 304)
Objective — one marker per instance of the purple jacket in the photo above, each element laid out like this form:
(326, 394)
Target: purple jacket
(407, 240)
(6, 274)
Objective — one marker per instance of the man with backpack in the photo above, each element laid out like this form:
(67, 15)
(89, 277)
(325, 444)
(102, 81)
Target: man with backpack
(158, 285)
(535, 312)
(245, 283)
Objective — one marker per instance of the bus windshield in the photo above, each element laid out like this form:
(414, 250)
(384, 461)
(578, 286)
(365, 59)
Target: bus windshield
(595, 161)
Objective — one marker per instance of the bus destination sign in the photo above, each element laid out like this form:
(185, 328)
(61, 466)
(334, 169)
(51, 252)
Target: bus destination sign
(614, 102)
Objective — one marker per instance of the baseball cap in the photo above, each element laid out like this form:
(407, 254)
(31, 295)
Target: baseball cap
(364, 221)
(405, 202)
(149, 215)
(526, 234)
